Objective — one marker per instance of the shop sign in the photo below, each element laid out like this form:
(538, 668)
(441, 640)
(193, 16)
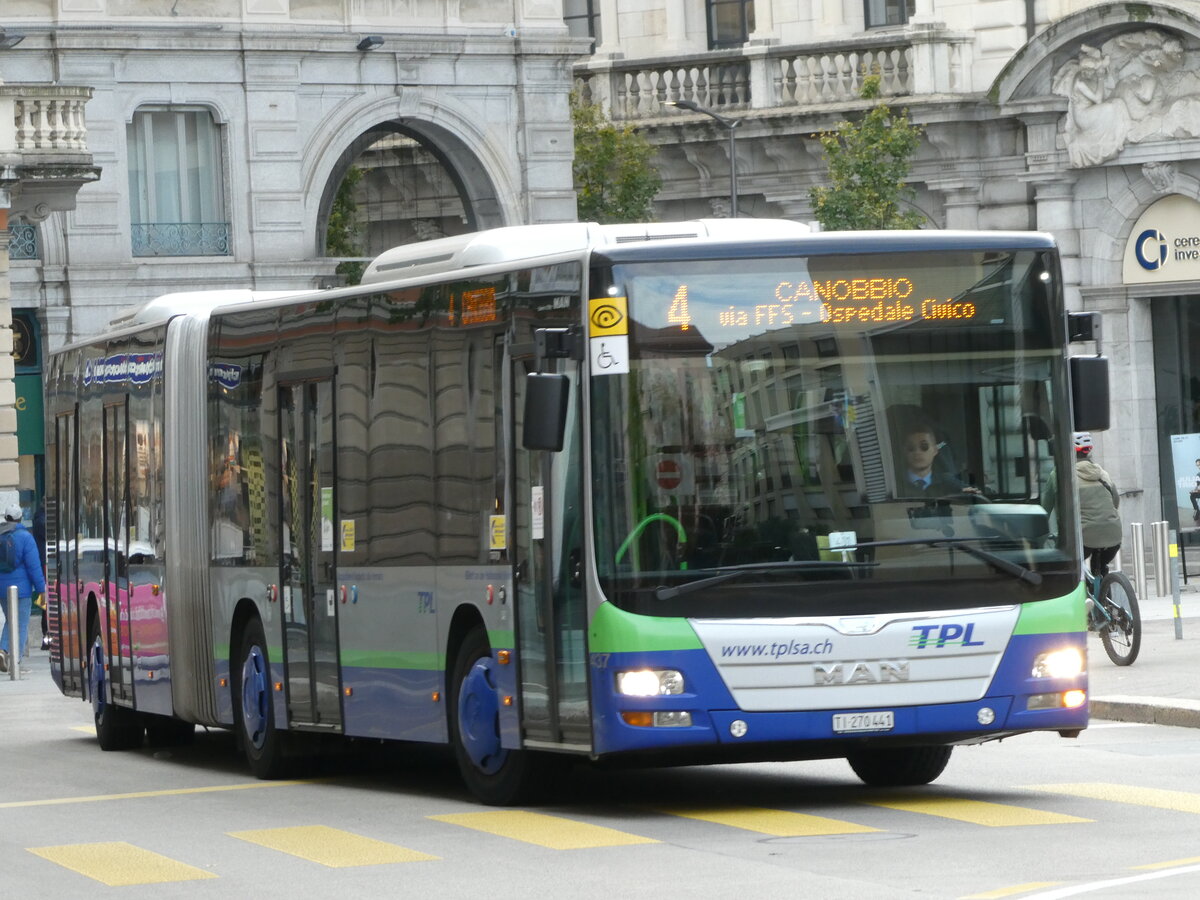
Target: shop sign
(1164, 244)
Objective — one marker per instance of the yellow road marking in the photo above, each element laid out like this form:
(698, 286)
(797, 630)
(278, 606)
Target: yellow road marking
(546, 831)
(138, 795)
(86, 729)
(119, 864)
(977, 812)
(1179, 801)
(776, 822)
(1010, 891)
(1191, 860)
(330, 846)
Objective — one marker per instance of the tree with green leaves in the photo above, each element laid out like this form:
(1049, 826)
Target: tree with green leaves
(614, 179)
(341, 234)
(868, 162)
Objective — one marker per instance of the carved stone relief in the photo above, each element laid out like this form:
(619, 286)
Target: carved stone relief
(1137, 87)
(1161, 176)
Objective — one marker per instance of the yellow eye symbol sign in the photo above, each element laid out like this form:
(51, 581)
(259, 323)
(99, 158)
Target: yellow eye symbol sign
(607, 315)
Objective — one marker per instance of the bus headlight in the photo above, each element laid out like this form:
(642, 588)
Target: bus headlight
(649, 682)
(1064, 663)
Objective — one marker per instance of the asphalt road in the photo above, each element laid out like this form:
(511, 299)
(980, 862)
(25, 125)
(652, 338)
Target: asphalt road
(1111, 814)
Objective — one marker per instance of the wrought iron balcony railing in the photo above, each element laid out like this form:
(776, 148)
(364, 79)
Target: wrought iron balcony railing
(23, 242)
(181, 239)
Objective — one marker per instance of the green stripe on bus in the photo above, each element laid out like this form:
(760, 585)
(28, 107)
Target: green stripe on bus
(502, 640)
(1057, 616)
(616, 631)
(381, 659)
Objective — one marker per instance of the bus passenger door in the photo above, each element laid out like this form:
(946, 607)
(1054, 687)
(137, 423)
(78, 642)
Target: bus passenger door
(308, 575)
(115, 548)
(62, 530)
(551, 604)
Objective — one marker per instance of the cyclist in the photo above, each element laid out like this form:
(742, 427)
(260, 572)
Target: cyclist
(1098, 507)
(1099, 500)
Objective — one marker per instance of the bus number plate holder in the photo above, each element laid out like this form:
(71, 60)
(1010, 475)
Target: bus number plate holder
(844, 723)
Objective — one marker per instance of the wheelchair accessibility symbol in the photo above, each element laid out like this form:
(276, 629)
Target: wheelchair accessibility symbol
(610, 355)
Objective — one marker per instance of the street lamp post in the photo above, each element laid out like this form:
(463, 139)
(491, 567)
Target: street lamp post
(732, 125)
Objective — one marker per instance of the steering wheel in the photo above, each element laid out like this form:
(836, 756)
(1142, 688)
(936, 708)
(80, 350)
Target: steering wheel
(641, 526)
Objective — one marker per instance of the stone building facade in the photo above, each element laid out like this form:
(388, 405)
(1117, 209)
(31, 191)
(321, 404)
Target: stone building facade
(224, 129)
(44, 161)
(1075, 118)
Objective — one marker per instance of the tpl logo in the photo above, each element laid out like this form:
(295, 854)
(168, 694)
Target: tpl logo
(940, 635)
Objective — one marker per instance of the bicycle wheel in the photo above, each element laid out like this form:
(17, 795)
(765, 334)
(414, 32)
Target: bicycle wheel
(1122, 634)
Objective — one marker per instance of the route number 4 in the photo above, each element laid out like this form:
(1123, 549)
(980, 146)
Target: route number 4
(678, 313)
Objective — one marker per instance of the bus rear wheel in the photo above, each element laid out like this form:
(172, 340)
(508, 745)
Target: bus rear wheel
(117, 727)
(494, 774)
(899, 766)
(253, 707)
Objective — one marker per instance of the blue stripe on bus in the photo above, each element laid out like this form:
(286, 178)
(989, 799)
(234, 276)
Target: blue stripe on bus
(394, 704)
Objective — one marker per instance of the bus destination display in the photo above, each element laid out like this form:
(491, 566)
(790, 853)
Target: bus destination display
(844, 301)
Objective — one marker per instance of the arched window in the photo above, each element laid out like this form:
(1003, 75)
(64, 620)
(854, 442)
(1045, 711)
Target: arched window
(176, 183)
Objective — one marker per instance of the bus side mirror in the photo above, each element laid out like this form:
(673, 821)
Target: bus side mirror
(546, 398)
(1089, 392)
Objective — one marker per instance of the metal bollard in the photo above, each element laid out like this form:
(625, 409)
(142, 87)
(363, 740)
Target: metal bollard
(14, 636)
(1138, 550)
(1161, 548)
(1176, 614)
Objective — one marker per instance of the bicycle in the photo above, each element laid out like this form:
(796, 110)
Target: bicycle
(1113, 614)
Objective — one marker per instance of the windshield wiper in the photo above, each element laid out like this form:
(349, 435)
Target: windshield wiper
(1008, 567)
(666, 593)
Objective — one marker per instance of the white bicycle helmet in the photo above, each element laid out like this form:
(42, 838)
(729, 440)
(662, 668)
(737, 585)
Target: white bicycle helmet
(1084, 442)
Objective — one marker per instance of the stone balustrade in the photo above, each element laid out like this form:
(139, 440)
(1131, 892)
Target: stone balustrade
(44, 156)
(916, 62)
(43, 119)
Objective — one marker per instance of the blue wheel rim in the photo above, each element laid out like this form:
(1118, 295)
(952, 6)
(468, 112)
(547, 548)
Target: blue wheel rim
(96, 680)
(255, 697)
(479, 718)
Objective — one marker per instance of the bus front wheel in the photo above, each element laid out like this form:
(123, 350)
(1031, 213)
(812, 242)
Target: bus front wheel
(496, 775)
(899, 766)
(254, 713)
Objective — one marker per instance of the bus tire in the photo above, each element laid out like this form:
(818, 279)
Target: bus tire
(899, 766)
(253, 707)
(495, 775)
(117, 727)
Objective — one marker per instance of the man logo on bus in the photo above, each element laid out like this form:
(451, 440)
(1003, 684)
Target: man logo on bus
(1151, 249)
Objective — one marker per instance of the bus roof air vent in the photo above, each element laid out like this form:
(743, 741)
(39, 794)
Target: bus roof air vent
(501, 245)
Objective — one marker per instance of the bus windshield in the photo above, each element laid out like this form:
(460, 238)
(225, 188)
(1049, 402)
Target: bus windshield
(832, 435)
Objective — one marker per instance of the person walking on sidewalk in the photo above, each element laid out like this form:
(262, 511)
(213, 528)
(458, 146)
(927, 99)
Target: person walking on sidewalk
(19, 567)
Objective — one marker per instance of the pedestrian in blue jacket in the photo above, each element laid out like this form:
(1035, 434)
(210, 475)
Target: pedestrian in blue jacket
(19, 566)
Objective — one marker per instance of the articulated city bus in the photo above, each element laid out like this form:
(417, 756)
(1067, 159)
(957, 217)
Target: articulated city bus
(640, 493)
